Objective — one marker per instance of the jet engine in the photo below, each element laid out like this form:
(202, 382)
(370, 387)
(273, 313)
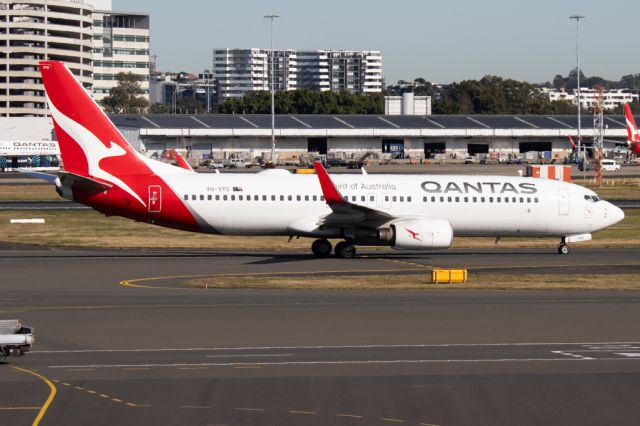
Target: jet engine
(418, 234)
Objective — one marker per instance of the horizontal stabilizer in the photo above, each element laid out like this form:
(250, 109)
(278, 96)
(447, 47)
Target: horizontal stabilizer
(82, 183)
(40, 175)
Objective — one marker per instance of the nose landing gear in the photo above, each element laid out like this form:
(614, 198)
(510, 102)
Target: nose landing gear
(563, 248)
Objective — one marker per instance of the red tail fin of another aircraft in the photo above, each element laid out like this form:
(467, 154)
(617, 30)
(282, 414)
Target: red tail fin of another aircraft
(632, 129)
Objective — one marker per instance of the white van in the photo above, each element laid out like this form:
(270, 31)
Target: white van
(610, 165)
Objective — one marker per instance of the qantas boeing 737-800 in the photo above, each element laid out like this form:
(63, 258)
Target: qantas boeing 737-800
(103, 171)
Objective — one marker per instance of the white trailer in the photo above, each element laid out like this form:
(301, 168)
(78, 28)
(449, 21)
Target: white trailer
(15, 338)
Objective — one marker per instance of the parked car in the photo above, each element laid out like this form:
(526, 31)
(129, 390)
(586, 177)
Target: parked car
(216, 164)
(469, 159)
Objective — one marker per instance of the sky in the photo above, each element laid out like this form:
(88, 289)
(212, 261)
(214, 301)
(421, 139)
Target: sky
(441, 41)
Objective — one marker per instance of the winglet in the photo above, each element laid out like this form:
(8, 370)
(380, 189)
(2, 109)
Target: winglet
(329, 190)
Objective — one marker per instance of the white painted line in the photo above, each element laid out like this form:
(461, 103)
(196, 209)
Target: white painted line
(344, 122)
(246, 120)
(346, 362)
(560, 122)
(300, 121)
(526, 122)
(389, 122)
(373, 346)
(248, 355)
(200, 121)
(478, 122)
(629, 354)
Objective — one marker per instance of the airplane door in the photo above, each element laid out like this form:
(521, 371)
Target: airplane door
(155, 198)
(563, 202)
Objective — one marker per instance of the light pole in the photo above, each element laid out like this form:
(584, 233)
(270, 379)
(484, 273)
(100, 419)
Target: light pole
(578, 18)
(272, 89)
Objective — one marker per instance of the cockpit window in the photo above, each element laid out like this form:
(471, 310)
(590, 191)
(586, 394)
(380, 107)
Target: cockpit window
(592, 198)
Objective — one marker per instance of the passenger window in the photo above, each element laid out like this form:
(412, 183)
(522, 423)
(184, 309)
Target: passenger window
(535, 200)
(466, 199)
(457, 199)
(442, 199)
(372, 198)
(233, 198)
(528, 199)
(353, 198)
(209, 197)
(506, 199)
(217, 198)
(186, 197)
(394, 198)
(315, 198)
(514, 200)
(521, 199)
(386, 198)
(491, 199)
(193, 197)
(401, 199)
(475, 199)
(298, 198)
(408, 199)
(256, 197)
(424, 199)
(433, 199)
(482, 199)
(449, 199)
(240, 197)
(282, 198)
(498, 199)
(224, 198)
(322, 198)
(363, 198)
(306, 198)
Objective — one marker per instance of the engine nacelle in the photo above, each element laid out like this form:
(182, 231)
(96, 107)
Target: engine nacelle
(420, 234)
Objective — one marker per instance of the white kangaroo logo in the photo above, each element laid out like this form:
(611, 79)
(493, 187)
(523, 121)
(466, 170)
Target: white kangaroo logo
(93, 149)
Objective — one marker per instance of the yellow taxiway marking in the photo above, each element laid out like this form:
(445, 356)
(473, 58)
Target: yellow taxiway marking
(78, 388)
(18, 408)
(92, 392)
(302, 412)
(117, 400)
(249, 409)
(351, 416)
(104, 395)
(135, 282)
(386, 419)
(52, 394)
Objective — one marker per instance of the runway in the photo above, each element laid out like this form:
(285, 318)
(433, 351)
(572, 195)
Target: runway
(118, 354)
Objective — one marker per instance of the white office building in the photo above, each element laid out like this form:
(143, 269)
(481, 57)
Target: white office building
(37, 30)
(238, 71)
(612, 98)
(121, 44)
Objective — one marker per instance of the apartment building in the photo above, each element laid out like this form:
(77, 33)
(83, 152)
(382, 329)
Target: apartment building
(37, 30)
(612, 98)
(238, 71)
(120, 44)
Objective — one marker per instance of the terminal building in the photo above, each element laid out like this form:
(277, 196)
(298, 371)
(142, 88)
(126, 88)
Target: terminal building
(409, 135)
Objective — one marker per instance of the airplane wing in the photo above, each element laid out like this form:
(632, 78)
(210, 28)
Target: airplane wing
(344, 212)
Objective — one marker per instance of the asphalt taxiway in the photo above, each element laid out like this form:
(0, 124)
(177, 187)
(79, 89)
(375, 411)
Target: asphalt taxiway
(159, 353)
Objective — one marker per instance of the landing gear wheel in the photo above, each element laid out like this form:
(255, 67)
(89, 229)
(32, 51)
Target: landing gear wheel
(563, 249)
(345, 250)
(321, 248)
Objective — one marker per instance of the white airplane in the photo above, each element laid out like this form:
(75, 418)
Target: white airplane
(402, 211)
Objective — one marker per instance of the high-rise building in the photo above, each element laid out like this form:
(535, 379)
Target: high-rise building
(121, 44)
(238, 71)
(36, 30)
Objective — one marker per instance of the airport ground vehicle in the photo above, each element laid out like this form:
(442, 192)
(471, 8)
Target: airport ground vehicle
(469, 159)
(417, 212)
(15, 338)
(610, 165)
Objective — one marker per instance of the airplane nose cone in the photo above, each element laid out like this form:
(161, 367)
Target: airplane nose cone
(614, 214)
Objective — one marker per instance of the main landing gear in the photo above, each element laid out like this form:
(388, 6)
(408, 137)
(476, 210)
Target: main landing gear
(563, 248)
(344, 249)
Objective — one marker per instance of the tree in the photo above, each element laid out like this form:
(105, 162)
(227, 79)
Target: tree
(126, 97)
(158, 108)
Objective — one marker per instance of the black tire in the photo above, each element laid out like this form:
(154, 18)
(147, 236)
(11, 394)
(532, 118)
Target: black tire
(321, 248)
(345, 250)
(563, 249)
